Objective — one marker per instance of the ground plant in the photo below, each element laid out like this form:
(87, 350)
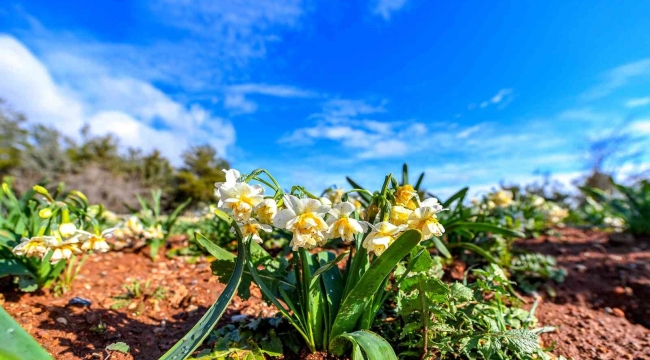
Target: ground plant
(629, 206)
(148, 225)
(41, 234)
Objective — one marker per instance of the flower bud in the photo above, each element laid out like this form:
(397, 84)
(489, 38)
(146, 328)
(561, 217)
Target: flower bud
(5, 188)
(45, 213)
(41, 190)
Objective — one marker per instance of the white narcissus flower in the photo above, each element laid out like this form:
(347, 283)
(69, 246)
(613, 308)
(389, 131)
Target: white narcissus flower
(34, 247)
(98, 242)
(133, 227)
(253, 227)
(424, 219)
(502, 198)
(154, 232)
(341, 224)
(232, 177)
(65, 242)
(266, 211)
(304, 218)
(399, 215)
(381, 236)
(238, 198)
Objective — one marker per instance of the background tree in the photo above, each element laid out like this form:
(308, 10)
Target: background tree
(201, 169)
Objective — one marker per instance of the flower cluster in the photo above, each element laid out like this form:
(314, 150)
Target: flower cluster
(313, 221)
(63, 242)
(133, 228)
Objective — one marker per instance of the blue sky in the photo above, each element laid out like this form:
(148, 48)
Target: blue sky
(471, 92)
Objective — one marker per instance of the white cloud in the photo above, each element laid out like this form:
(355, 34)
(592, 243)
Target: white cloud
(138, 112)
(502, 98)
(237, 101)
(585, 114)
(239, 104)
(283, 91)
(640, 127)
(29, 88)
(636, 102)
(386, 8)
(370, 139)
(469, 131)
(617, 78)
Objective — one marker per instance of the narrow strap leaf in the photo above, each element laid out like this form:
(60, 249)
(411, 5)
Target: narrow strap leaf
(16, 343)
(195, 337)
(356, 301)
(374, 346)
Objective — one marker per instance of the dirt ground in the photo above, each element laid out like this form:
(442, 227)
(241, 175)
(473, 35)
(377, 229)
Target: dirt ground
(601, 311)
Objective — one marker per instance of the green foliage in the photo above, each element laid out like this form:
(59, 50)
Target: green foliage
(158, 225)
(201, 170)
(20, 219)
(254, 340)
(629, 203)
(530, 271)
(15, 342)
(138, 296)
(440, 321)
(118, 346)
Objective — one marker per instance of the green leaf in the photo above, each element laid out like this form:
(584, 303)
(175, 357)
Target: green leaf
(327, 266)
(367, 198)
(202, 329)
(13, 267)
(214, 250)
(461, 292)
(522, 341)
(405, 174)
(16, 343)
(476, 249)
(118, 346)
(458, 195)
(486, 227)
(441, 247)
(374, 346)
(357, 299)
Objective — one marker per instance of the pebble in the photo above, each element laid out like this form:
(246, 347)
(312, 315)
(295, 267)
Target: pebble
(581, 268)
(618, 312)
(619, 290)
(79, 301)
(608, 310)
(62, 320)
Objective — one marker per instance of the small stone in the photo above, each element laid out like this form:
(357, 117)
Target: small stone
(62, 320)
(191, 308)
(36, 310)
(608, 310)
(619, 290)
(581, 268)
(618, 312)
(629, 291)
(79, 301)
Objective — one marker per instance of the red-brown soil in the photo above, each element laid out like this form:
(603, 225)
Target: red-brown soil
(599, 311)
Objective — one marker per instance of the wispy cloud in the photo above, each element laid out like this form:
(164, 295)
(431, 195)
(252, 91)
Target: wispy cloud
(617, 78)
(283, 91)
(338, 121)
(386, 8)
(236, 95)
(469, 131)
(637, 102)
(502, 99)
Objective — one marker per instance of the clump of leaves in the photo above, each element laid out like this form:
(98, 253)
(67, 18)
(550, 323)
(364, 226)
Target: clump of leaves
(629, 203)
(530, 271)
(251, 340)
(138, 295)
(476, 321)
